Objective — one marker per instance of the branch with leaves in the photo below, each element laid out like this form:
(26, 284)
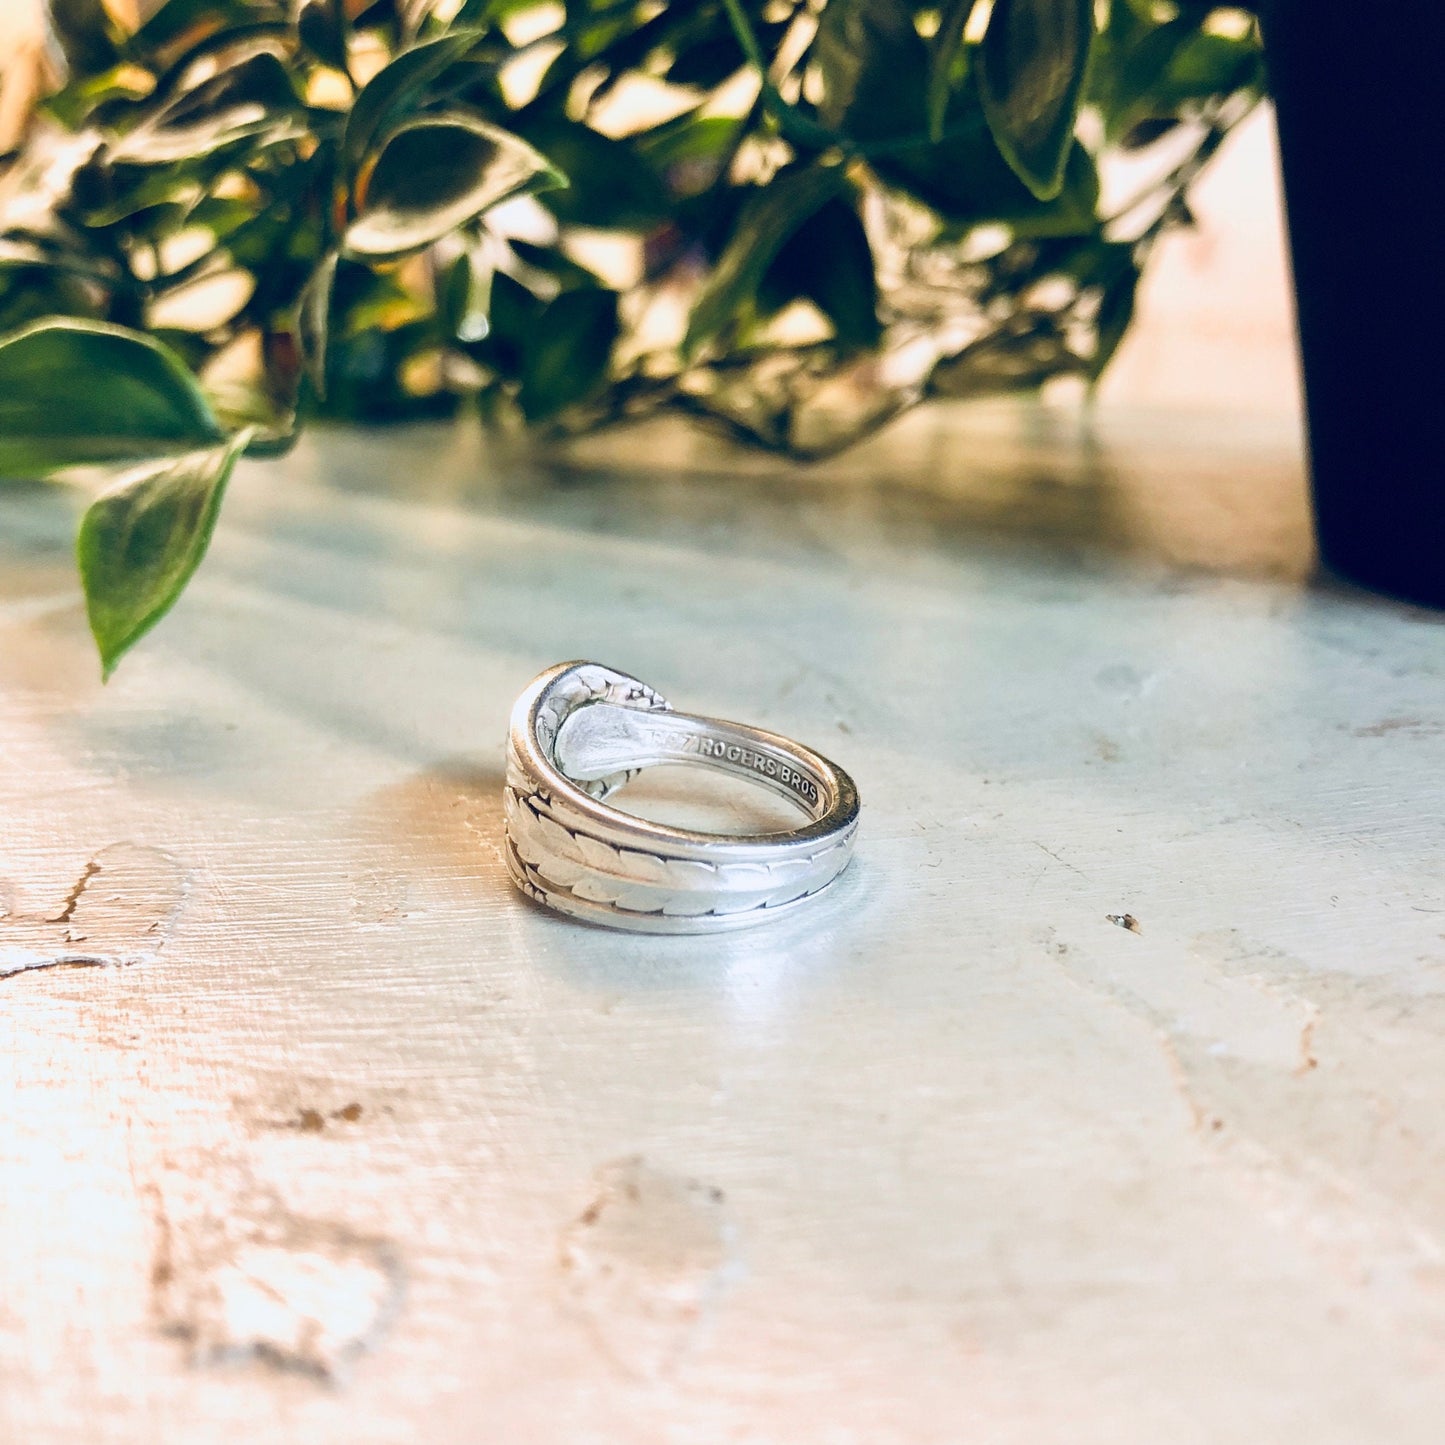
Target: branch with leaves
(238, 214)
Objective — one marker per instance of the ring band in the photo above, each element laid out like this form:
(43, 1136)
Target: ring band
(581, 731)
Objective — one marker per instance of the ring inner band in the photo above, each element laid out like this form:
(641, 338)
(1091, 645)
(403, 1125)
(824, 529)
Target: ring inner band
(600, 740)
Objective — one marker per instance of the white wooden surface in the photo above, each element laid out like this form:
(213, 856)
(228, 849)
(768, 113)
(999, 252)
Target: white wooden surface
(353, 1145)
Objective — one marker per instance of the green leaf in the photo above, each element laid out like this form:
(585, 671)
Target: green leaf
(611, 186)
(868, 55)
(141, 541)
(944, 52)
(828, 260)
(179, 23)
(466, 297)
(78, 392)
(1116, 312)
(394, 89)
(565, 357)
(313, 316)
(321, 26)
(84, 34)
(688, 151)
(1034, 60)
(435, 174)
(512, 316)
(253, 98)
(73, 104)
(766, 221)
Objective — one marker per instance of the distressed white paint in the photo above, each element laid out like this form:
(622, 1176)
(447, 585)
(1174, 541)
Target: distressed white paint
(368, 1150)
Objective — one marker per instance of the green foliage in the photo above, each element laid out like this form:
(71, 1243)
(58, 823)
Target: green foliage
(357, 171)
(77, 392)
(141, 540)
(1031, 75)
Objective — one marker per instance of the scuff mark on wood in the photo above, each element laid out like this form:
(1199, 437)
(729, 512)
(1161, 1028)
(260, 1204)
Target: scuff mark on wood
(645, 1264)
(1422, 727)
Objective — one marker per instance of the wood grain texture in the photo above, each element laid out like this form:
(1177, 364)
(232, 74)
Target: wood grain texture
(351, 1144)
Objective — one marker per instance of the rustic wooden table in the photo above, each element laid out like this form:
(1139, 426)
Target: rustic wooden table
(351, 1144)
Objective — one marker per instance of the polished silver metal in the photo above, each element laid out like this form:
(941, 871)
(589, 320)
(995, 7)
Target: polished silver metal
(580, 732)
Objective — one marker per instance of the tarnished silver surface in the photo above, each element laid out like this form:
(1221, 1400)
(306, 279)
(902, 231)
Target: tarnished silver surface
(579, 732)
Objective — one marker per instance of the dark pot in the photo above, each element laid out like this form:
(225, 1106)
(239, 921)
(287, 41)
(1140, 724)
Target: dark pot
(1362, 131)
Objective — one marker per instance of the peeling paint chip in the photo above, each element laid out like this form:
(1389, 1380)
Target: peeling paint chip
(119, 909)
(1125, 920)
(298, 1294)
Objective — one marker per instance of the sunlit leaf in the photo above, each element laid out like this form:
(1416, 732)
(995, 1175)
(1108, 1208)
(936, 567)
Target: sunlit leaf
(141, 541)
(466, 297)
(254, 97)
(1031, 75)
(436, 173)
(74, 392)
(388, 95)
(73, 104)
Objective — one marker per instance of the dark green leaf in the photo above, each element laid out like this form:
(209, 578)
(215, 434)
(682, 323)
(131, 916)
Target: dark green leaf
(393, 91)
(866, 50)
(74, 392)
(321, 25)
(689, 153)
(945, 51)
(1207, 65)
(141, 541)
(313, 321)
(828, 260)
(566, 356)
(966, 179)
(706, 63)
(84, 34)
(611, 185)
(555, 263)
(435, 174)
(1116, 311)
(770, 216)
(1031, 75)
(512, 316)
(32, 289)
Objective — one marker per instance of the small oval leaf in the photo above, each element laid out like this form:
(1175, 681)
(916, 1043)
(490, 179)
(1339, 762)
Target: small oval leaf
(252, 98)
(565, 357)
(78, 392)
(1034, 59)
(434, 175)
(141, 540)
(395, 88)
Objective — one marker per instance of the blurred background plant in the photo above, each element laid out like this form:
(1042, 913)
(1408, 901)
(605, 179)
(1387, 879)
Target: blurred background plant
(797, 217)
